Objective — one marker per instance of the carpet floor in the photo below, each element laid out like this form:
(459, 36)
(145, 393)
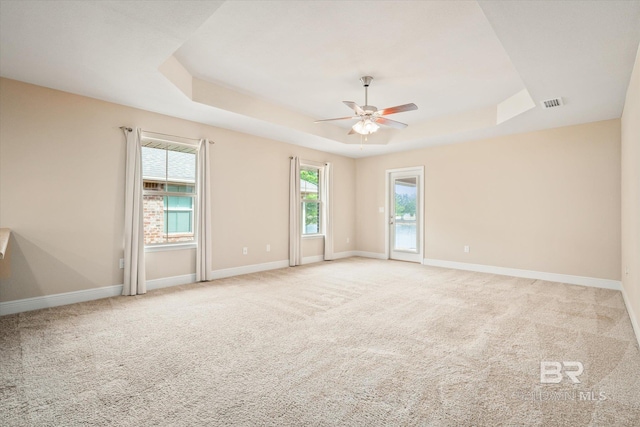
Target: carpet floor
(355, 342)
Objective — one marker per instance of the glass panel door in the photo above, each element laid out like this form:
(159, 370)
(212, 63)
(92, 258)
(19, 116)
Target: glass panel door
(404, 219)
(404, 224)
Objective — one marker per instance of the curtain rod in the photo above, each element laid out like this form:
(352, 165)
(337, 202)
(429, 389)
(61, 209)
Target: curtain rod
(291, 158)
(128, 129)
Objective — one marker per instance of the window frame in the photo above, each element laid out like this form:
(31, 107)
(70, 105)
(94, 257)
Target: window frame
(166, 143)
(320, 167)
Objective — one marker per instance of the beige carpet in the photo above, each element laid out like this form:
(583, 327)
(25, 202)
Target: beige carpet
(354, 342)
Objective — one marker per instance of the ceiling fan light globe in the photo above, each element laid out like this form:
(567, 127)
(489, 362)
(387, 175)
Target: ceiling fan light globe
(371, 126)
(366, 127)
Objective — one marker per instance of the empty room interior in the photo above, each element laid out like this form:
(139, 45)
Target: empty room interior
(319, 213)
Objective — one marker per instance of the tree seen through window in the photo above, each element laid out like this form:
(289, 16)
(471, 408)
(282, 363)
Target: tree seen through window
(311, 200)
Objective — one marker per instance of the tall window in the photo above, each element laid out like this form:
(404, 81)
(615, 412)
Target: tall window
(169, 177)
(310, 179)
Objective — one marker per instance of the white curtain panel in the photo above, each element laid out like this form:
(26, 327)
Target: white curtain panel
(204, 251)
(327, 189)
(295, 234)
(134, 278)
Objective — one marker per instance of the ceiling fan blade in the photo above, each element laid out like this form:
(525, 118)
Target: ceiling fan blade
(391, 123)
(351, 132)
(355, 107)
(339, 118)
(398, 109)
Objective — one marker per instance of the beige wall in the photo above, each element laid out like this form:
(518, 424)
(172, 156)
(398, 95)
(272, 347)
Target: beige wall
(545, 201)
(62, 182)
(631, 194)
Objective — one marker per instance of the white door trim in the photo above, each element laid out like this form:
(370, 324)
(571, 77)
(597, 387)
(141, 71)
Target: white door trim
(419, 170)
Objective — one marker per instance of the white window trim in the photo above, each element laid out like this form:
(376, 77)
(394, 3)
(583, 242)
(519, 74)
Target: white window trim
(311, 163)
(161, 247)
(321, 171)
(313, 236)
(185, 142)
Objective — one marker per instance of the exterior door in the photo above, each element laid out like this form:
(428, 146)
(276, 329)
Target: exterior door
(405, 216)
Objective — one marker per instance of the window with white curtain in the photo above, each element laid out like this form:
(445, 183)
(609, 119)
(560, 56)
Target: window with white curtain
(169, 192)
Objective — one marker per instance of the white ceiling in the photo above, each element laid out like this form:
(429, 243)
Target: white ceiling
(444, 56)
(271, 68)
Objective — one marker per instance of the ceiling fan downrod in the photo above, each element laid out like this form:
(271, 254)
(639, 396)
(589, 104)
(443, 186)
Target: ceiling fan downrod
(366, 81)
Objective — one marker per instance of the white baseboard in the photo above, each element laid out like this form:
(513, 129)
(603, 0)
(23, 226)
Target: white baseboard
(374, 255)
(37, 303)
(539, 275)
(55, 300)
(46, 301)
(345, 254)
(320, 258)
(632, 315)
(255, 268)
(166, 282)
(312, 259)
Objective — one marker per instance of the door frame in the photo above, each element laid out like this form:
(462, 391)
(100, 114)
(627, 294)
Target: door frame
(419, 171)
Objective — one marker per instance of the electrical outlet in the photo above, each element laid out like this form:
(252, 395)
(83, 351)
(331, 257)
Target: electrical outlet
(466, 249)
(245, 251)
(626, 269)
(381, 209)
(121, 263)
(268, 248)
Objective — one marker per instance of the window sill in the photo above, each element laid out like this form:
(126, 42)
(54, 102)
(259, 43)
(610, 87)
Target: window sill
(313, 236)
(170, 247)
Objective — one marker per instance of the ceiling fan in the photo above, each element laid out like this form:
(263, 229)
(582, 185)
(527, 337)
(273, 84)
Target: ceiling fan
(369, 117)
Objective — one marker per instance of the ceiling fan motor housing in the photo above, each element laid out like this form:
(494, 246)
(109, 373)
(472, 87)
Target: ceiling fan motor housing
(366, 80)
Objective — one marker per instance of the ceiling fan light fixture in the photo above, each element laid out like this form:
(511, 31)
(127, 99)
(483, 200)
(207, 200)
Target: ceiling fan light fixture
(369, 117)
(366, 127)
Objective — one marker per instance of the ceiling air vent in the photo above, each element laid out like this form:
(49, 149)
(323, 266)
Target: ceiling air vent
(551, 103)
